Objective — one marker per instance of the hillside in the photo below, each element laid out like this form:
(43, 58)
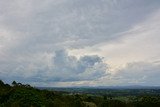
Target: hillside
(20, 95)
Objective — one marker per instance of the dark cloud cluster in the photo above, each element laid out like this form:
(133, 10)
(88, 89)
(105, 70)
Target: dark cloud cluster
(73, 69)
(62, 68)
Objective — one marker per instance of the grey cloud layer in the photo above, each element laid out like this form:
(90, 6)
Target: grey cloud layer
(140, 73)
(73, 23)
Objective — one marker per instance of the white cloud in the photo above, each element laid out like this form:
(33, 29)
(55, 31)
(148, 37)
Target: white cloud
(141, 43)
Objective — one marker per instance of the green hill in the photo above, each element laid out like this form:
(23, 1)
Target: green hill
(20, 95)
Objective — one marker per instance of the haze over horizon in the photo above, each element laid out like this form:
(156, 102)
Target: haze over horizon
(80, 42)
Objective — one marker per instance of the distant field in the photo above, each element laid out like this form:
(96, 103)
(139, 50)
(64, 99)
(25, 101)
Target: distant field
(112, 92)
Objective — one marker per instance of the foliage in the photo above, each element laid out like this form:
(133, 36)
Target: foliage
(20, 95)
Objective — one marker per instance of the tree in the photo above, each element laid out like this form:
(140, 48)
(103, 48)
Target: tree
(14, 83)
(1, 83)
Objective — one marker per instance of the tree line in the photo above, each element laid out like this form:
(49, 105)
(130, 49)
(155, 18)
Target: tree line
(24, 95)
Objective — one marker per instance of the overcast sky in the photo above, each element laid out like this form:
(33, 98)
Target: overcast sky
(80, 42)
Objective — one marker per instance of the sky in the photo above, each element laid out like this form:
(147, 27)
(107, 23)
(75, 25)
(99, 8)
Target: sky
(63, 43)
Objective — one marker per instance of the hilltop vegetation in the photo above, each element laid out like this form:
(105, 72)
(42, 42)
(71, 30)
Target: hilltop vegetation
(19, 95)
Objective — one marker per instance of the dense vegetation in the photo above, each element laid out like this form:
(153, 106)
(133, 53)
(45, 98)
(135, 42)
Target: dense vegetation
(19, 95)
